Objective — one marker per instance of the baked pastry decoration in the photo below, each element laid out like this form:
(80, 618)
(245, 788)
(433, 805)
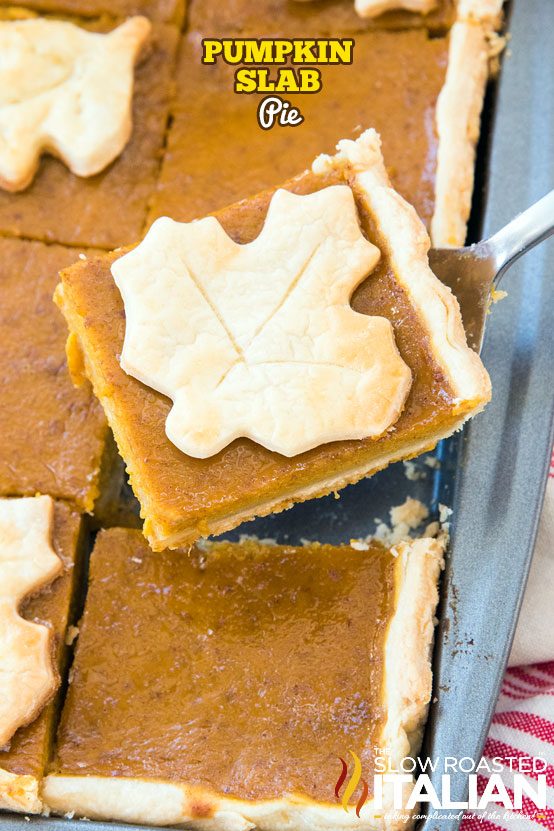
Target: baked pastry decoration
(40, 548)
(255, 340)
(220, 685)
(27, 563)
(184, 497)
(65, 91)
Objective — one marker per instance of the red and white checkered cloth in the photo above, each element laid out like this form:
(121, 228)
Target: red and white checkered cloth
(523, 724)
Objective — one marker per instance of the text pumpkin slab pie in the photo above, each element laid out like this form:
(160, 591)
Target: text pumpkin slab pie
(388, 70)
(220, 689)
(393, 382)
(423, 94)
(39, 558)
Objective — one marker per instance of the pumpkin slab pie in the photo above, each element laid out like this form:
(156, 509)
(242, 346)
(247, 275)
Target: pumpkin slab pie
(40, 551)
(116, 160)
(221, 689)
(281, 390)
(53, 436)
(423, 94)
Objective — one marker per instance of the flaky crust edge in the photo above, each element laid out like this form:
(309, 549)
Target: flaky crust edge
(374, 8)
(407, 687)
(407, 244)
(480, 11)
(408, 648)
(473, 43)
(19, 793)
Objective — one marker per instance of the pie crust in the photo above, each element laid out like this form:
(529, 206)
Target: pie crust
(481, 11)
(406, 653)
(458, 121)
(372, 8)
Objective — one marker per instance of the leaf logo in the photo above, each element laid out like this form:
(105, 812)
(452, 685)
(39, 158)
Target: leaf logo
(355, 780)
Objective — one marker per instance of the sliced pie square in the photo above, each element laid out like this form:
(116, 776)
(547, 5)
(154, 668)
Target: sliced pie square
(430, 381)
(222, 688)
(53, 436)
(46, 537)
(59, 206)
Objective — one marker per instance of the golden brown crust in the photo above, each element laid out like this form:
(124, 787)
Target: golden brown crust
(473, 45)
(408, 672)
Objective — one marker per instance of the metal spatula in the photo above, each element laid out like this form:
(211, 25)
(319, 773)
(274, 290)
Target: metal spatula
(473, 272)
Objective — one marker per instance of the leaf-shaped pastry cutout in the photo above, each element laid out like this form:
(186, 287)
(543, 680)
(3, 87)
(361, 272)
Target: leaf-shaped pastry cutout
(27, 563)
(259, 340)
(66, 91)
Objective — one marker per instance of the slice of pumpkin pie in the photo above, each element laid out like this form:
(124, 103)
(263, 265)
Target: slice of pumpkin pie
(221, 690)
(39, 557)
(276, 351)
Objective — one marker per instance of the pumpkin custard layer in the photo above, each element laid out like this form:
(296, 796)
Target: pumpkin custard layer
(29, 751)
(397, 77)
(53, 437)
(240, 671)
(182, 497)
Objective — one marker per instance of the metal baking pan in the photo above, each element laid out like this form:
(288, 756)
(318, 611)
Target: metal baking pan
(494, 474)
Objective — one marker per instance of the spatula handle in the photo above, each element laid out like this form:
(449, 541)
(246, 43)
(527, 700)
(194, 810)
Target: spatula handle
(522, 233)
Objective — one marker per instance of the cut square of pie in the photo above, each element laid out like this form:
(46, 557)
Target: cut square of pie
(40, 552)
(223, 687)
(422, 93)
(60, 206)
(335, 224)
(53, 436)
